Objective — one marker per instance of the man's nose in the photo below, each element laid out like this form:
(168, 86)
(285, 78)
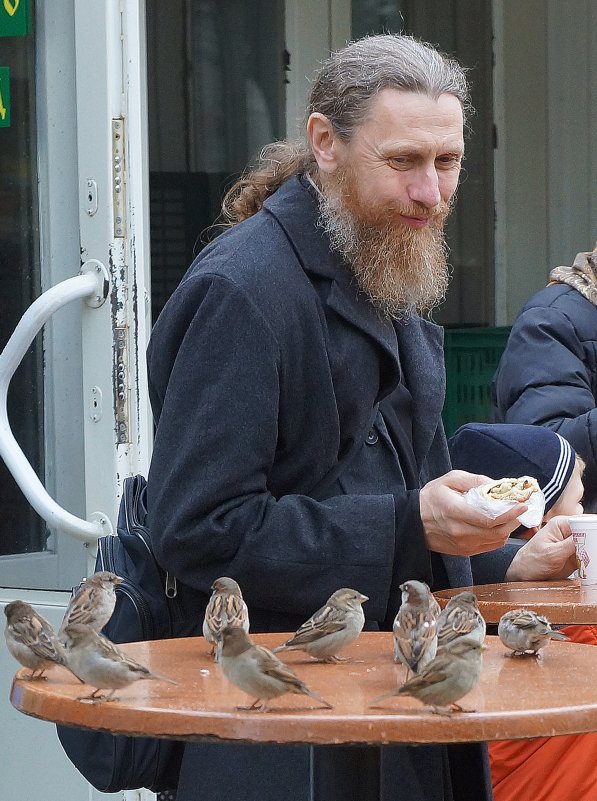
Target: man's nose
(425, 189)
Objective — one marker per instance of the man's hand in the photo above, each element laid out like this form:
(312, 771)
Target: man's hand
(550, 554)
(452, 526)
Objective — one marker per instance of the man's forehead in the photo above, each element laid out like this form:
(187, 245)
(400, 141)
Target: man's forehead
(409, 113)
(391, 96)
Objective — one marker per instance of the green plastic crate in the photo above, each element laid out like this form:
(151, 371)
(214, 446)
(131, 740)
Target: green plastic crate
(472, 356)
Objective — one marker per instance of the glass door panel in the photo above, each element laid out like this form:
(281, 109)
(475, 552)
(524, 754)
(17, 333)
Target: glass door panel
(21, 530)
(217, 94)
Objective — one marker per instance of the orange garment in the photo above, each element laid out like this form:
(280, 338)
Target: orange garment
(547, 768)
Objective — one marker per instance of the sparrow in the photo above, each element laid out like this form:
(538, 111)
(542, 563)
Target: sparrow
(331, 628)
(93, 603)
(257, 671)
(98, 662)
(415, 626)
(31, 639)
(460, 618)
(526, 632)
(226, 607)
(447, 678)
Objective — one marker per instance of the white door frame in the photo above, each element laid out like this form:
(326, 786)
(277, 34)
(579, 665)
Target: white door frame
(114, 226)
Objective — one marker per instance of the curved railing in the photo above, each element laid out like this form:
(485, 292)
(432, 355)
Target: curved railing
(92, 285)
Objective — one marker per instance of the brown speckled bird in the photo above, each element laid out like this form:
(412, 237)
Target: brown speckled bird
(101, 664)
(226, 607)
(415, 626)
(92, 605)
(331, 628)
(526, 632)
(258, 671)
(31, 639)
(460, 618)
(447, 678)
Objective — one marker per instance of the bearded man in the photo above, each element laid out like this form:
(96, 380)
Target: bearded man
(297, 391)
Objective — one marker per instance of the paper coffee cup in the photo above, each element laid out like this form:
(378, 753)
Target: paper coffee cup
(584, 532)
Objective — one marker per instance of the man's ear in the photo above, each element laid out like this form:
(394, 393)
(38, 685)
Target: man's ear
(324, 142)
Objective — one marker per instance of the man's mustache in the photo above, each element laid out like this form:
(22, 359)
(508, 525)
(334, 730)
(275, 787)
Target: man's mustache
(439, 212)
(390, 217)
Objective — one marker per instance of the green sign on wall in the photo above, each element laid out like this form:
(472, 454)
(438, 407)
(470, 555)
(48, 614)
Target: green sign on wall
(4, 97)
(15, 17)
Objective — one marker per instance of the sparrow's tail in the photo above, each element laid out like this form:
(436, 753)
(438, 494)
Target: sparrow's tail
(159, 677)
(558, 635)
(382, 697)
(218, 650)
(318, 698)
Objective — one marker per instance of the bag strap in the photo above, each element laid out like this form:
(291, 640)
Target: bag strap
(320, 489)
(132, 516)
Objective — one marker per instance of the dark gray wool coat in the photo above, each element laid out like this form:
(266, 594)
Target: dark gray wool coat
(266, 369)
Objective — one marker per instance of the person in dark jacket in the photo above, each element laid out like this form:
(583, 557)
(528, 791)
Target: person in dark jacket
(548, 372)
(297, 390)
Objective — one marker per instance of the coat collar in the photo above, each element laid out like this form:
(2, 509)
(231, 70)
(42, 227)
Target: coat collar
(295, 208)
(419, 342)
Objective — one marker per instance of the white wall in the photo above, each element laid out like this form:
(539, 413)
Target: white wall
(546, 160)
(313, 30)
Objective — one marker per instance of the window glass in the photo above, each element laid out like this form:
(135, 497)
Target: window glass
(375, 16)
(216, 88)
(21, 530)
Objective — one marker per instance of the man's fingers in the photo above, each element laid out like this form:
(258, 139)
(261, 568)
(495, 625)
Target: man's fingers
(562, 525)
(508, 520)
(462, 481)
(511, 514)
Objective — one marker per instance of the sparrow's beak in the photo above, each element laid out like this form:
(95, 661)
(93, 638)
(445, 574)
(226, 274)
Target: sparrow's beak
(363, 598)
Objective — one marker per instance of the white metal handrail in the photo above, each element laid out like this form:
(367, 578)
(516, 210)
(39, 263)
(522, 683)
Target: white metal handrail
(92, 284)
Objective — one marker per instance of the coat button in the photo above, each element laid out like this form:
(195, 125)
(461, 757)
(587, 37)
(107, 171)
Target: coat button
(372, 437)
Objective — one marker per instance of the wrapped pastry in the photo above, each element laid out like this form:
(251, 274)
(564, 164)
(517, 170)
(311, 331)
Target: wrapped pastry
(499, 496)
(511, 489)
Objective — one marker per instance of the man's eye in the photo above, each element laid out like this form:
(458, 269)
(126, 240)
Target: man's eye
(398, 162)
(449, 161)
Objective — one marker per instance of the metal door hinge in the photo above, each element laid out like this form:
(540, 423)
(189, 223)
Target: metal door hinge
(118, 183)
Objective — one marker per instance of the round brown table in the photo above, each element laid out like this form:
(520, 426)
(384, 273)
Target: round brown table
(515, 697)
(563, 602)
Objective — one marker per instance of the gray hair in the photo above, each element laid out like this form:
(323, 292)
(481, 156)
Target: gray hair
(349, 79)
(343, 90)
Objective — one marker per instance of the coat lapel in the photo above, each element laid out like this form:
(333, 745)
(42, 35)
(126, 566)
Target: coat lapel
(354, 307)
(420, 345)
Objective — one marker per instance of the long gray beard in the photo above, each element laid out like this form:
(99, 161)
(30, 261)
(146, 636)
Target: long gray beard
(402, 270)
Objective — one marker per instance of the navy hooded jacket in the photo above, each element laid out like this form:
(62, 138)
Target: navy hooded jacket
(548, 373)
